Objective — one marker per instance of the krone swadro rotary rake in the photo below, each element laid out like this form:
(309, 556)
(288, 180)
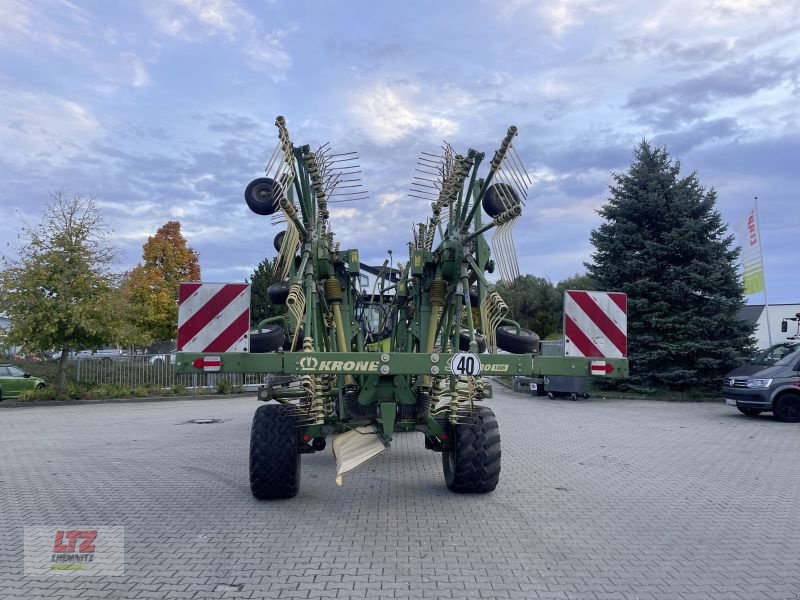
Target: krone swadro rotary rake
(412, 353)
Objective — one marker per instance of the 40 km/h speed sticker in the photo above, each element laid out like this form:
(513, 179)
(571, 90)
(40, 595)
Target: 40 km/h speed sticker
(465, 363)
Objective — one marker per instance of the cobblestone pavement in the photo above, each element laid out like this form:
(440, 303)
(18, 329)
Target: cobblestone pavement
(598, 499)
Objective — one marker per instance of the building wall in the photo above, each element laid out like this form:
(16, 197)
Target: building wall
(776, 313)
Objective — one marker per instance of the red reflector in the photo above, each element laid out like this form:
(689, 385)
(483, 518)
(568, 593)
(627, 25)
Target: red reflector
(306, 438)
(444, 436)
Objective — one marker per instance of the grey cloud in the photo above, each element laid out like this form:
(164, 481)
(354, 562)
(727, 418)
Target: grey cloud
(691, 98)
(681, 142)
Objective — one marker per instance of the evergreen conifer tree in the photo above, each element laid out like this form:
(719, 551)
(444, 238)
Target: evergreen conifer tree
(664, 244)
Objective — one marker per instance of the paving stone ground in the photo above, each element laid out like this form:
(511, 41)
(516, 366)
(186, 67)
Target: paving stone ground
(598, 499)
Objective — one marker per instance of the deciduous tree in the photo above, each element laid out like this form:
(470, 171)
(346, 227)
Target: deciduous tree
(59, 291)
(151, 288)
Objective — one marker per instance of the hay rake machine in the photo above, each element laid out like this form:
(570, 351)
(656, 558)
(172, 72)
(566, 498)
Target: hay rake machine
(413, 355)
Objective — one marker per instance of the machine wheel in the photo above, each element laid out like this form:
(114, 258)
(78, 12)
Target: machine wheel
(499, 198)
(524, 342)
(277, 241)
(278, 292)
(269, 340)
(573, 396)
(274, 455)
(287, 340)
(750, 412)
(472, 464)
(463, 341)
(262, 195)
(787, 408)
(40, 386)
(550, 395)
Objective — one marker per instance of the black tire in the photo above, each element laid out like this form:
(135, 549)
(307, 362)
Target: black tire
(278, 293)
(262, 195)
(277, 241)
(40, 386)
(499, 198)
(524, 342)
(550, 395)
(585, 395)
(750, 412)
(472, 464)
(287, 340)
(270, 339)
(274, 455)
(787, 408)
(463, 341)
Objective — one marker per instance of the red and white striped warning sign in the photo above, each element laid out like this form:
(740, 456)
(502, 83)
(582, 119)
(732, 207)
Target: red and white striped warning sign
(595, 324)
(213, 317)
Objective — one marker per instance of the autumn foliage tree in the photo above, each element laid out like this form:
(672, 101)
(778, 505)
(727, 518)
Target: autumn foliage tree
(150, 291)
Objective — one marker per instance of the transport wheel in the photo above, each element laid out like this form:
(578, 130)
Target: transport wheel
(270, 339)
(278, 240)
(573, 396)
(499, 198)
(278, 292)
(750, 412)
(262, 195)
(274, 456)
(787, 408)
(472, 464)
(524, 342)
(585, 395)
(550, 395)
(463, 341)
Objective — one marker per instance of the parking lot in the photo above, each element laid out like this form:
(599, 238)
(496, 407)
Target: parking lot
(598, 499)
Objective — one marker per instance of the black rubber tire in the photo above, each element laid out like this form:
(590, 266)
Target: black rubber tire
(526, 342)
(277, 241)
(474, 298)
(787, 408)
(287, 341)
(463, 341)
(278, 293)
(472, 464)
(270, 339)
(585, 395)
(750, 412)
(496, 198)
(550, 395)
(40, 386)
(274, 453)
(262, 195)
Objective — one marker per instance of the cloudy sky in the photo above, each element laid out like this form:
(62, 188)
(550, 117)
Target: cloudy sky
(164, 109)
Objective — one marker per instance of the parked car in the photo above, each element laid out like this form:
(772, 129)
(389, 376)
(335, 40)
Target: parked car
(162, 359)
(108, 353)
(13, 381)
(765, 358)
(773, 389)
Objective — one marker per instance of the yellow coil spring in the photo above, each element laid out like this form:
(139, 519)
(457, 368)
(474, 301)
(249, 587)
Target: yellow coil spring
(296, 301)
(333, 290)
(289, 246)
(493, 310)
(438, 291)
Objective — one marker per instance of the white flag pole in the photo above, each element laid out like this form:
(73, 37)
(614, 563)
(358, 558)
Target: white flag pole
(763, 270)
